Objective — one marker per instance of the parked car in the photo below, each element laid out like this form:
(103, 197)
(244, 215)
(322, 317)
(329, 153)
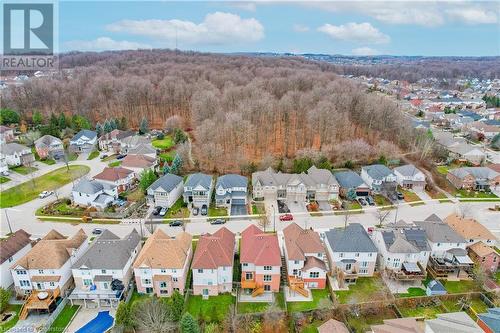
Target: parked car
(286, 217)
(370, 201)
(96, 231)
(400, 195)
(218, 221)
(103, 156)
(120, 157)
(163, 211)
(204, 210)
(176, 223)
(156, 211)
(393, 197)
(45, 194)
(5, 173)
(362, 201)
(196, 211)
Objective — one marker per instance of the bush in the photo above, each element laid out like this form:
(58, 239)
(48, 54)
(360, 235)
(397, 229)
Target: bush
(4, 299)
(188, 324)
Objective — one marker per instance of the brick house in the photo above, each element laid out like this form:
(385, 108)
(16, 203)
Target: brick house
(474, 178)
(485, 256)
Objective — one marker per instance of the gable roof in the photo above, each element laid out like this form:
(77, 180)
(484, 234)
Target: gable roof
(298, 242)
(163, 251)
(232, 180)
(399, 325)
(408, 170)
(439, 232)
(135, 140)
(405, 240)
(349, 179)
(88, 186)
(196, 179)
(52, 251)
(84, 132)
(456, 322)
(313, 177)
(377, 171)
(259, 248)
(13, 244)
(468, 227)
(46, 141)
(476, 172)
(11, 148)
(113, 174)
(142, 149)
(108, 251)
(215, 250)
(353, 238)
(482, 249)
(138, 161)
(491, 319)
(167, 182)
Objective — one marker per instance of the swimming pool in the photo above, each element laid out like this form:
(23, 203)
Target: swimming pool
(100, 324)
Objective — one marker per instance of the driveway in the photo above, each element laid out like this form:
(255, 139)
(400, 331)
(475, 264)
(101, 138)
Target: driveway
(238, 210)
(324, 206)
(296, 207)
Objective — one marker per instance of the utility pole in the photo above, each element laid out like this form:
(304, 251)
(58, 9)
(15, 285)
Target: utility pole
(8, 221)
(274, 217)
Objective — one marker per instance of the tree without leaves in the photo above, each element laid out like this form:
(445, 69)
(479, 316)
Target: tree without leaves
(152, 315)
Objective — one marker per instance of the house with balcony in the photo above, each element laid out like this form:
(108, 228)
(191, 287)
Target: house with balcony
(260, 258)
(165, 191)
(49, 146)
(403, 252)
(379, 178)
(305, 259)
(198, 190)
(162, 266)
(84, 141)
(351, 253)
(213, 263)
(12, 249)
(111, 141)
(448, 259)
(481, 179)
(120, 178)
(231, 192)
(103, 273)
(409, 177)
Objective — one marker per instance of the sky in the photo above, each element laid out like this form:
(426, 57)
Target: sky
(428, 28)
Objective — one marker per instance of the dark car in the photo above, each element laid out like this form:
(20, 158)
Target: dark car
(176, 223)
(218, 221)
(196, 211)
(204, 210)
(120, 157)
(400, 195)
(370, 201)
(362, 201)
(156, 211)
(96, 231)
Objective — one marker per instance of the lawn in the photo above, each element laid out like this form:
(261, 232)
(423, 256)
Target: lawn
(365, 289)
(114, 164)
(258, 209)
(93, 155)
(362, 322)
(29, 190)
(136, 297)
(476, 306)
(11, 323)
(410, 196)
(215, 309)
(48, 161)
(63, 319)
(61, 208)
(76, 220)
(135, 195)
(442, 169)
(178, 210)
(428, 311)
(168, 156)
(215, 211)
(380, 200)
(412, 292)
(472, 194)
(165, 143)
(497, 277)
(318, 296)
(4, 179)
(24, 170)
(259, 307)
(457, 287)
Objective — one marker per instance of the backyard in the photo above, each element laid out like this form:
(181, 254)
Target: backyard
(165, 143)
(259, 307)
(321, 299)
(178, 210)
(12, 322)
(168, 156)
(412, 292)
(361, 322)
(457, 287)
(428, 311)
(63, 319)
(214, 309)
(29, 190)
(364, 290)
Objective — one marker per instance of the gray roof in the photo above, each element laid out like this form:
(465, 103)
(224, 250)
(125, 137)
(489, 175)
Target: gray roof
(435, 285)
(377, 171)
(405, 240)
(47, 140)
(167, 182)
(408, 170)
(491, 318)
(103, 198)
(456, 322)
(135, 140)
(349, 179)
(11, 148)
(440, 232)
(84, 132)
(476, 172)
(232, 180)
(313, 177)
(109, 251)
(196, 179)
(353, 238)
(142, 149)
(88, 186)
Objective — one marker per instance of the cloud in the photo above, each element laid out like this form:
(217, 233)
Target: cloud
(104, 43)
(474, 15)
(356, 32)
(216, 28)
(300, 28)
(364, 51)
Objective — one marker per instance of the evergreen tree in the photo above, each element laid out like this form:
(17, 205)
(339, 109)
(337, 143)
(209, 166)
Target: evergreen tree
(107, 126)
(176, 305)
(37, 118)
(179, 136)
(62, 121)
(144, 126)
(166, 168)
(99, 129)
(114, 123)
(188, 324)
(123, 316)
(123, 124)
(9, 116)
(148, 177)
(53, 121)
(176, 166)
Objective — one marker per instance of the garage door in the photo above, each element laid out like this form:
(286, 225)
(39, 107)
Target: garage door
(238, 201)
(362, 193)
(238, 209)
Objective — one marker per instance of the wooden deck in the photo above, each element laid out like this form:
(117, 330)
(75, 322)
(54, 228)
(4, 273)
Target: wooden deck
(33, 301)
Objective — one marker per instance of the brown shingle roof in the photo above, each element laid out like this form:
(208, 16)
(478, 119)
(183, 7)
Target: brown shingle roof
(52, 252)
(163, 251)
(259, 248)
(10, 246)
(468, 228)
(481, 249)
(138, 161)
(333, 326)
(113, 174)
(215, 250)
(313, 262)
(298, 242)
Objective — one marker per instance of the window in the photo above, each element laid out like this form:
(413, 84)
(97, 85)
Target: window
(294, 271)
(370, 254)
(164, 292)
(245, 264)
(40, 271)
(248, 276)
(52, 284)
(175, 279)
(341, 255)
(268, 268)
(174, 270)
(296, 262)
(363, 271)
(438, 244)
(87, 282)
(21, 272)
(364, 264)
(146, 281)
(484, 259)
(314, 275)
(163, 285)
(268, 278)
(320, 255)
(103, 271)
(348, 267)
(163, 270)
(357, 254)
(24, 283)
(267, 287)
(10, 259)
(200, 270)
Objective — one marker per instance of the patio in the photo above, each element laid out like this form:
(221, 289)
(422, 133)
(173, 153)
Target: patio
(292, 296)
(266, 297)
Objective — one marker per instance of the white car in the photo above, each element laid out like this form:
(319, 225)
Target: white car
(45, 194)
(163, 211)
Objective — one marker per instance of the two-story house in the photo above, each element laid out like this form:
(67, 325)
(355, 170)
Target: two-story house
(47, 266)
(351, 185)
(49, 146)
(213, 263)
(118, 177)
(198, 190)
(260, 258)
(162, 266)
(305, 258)
(165, 191)
(132, 142)
(471, 230)
(231, 192)
(93, 193)
(351, 253)
(409, 177)
(6, 134)
(112, 141)
(104, 271)
(83, 141)
(16, 154)
(12, 248)
(484, 256)
(139, 163)
(474, 178)
(379, 177)
(448, 257)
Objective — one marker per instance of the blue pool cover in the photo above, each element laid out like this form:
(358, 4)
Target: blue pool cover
(99, 324)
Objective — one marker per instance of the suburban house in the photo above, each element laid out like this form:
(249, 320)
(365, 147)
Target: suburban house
(471, 230)
(452, 322)
(333, 326)
(409, 177)
(93, 193)
(213, 263)
(118, 177)
(260, 259)
(49, 146)
(198, 190)
(474, 178)
(12, 249)
(165, 191)
(139, 163)
(162, 266)
(351, 184)
(448, 259)
(112, 141)
(143, 149)
(83, 142)
(379, 178)
(231, 192)
(467, 152)
(16, 154)
(132, 142)
(305, 258)
(351, 253)
(6, 134)
(490, 320)
(403, 252)
(315, 185)
(485, 256)
(47, 266)
(484, 129)
(104, 270)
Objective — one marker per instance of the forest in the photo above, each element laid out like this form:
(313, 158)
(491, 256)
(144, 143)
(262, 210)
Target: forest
(238, 110)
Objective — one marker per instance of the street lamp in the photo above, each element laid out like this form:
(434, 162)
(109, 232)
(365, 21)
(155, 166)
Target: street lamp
(7, 218)
(274, 218)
